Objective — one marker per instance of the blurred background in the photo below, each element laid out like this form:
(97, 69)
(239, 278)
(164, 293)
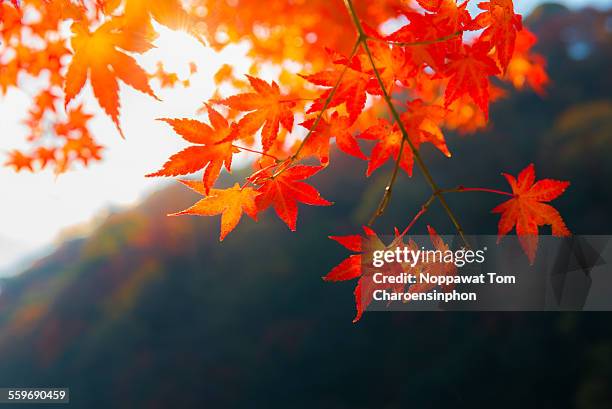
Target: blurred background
(150, 311)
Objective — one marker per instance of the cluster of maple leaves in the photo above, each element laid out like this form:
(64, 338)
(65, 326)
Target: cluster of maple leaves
(439, 68)
(33, 44)
(526, 211)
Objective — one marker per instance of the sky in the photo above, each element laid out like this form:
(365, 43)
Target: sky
(37, 208)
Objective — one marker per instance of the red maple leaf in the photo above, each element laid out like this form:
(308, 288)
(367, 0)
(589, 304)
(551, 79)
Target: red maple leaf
(351, 267)
(527, 210)
(469, 73)
(421, 121)
(361, 266)
(286, 189)
(501, 25)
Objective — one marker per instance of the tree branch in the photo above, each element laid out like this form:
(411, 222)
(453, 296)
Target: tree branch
(405, 138)
(328, 101)
(287, 162)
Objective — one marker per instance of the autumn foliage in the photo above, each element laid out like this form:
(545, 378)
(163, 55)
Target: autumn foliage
(379, 78)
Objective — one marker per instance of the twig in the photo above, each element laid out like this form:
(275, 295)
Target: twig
(328, 100)
(457, 189)
(416, 43)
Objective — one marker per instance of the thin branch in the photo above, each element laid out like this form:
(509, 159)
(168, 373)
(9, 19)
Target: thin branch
(421, 212)
(257, 152)
(478, 189)
(458, 189)
(405, 138)
(287, 162)
(328, 100)
(416, 43)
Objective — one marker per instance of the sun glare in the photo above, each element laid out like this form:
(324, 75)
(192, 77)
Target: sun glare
(38, 207)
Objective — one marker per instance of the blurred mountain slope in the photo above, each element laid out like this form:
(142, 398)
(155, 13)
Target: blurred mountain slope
(151, 311)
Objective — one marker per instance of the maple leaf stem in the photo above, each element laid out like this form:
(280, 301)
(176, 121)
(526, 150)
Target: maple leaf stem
(416, 43)
(405, 139)
(476, 189)
(297, 99)
(257, 152)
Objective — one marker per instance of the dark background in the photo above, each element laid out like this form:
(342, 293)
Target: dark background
(151, 311)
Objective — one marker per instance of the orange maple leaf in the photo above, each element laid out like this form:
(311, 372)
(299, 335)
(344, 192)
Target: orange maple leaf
(97, 55)
(229, 203)
(268, 108)
(527, 210)
(19, 161)
(45, 156)
(527, 67)
(318, 144)
(285, 190)
(351, 90)
(213, 150)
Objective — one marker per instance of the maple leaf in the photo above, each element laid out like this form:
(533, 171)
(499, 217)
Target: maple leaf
(445, 21)
(351, 90)
(8, 75)
(19, 161)
(351, 267)
(213, 150)
(318, 144)
(527, 210)
(10, 18)
(97, 55)
(77, 121)
(469, 73)
(83, 148)
(389, 140)
(361, 266)
(391, 62)
(421, 121)
(45, 156)
(501, 25)
(229, 203)
(434, 267)
(526, 66)
(266, 107)
(285, 190)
